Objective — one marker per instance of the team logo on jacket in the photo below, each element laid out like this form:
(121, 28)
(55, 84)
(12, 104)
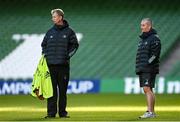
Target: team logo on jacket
(64, 36)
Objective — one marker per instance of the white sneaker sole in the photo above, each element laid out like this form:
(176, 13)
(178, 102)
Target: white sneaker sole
(147, 117)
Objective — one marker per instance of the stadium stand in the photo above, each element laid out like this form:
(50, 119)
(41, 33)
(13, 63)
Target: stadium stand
(175, 73)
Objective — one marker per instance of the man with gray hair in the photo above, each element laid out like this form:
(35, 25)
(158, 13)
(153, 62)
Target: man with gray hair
(59, 45)
(147, 63)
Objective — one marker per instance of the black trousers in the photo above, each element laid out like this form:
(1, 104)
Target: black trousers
(60, 78)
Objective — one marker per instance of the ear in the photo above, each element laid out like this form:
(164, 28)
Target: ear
(60, 17)
(149, 27)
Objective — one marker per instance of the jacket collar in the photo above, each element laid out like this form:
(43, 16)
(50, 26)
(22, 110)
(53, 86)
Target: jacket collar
(60, 27)
(147, 34)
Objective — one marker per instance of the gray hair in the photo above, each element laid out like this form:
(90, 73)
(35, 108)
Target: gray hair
(149, 21)
(60, 12)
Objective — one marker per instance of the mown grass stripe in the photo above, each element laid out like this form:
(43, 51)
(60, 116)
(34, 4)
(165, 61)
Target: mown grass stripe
(94, 108)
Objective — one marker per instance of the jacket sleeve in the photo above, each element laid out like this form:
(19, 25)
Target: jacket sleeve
(155, 49)
(73, 44)
(44, 44)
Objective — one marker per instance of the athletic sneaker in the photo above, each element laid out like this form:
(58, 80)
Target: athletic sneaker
(148, 114)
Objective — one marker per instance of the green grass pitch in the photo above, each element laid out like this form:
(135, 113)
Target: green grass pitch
(91, 107)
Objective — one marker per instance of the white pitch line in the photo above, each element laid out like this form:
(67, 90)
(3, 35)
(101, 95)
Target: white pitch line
(93, 108)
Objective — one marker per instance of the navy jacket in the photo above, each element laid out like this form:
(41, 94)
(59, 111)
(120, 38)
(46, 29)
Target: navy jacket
(59, 44)
(148, 53)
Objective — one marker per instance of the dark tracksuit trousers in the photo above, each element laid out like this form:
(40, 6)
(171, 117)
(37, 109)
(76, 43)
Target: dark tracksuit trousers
(60, 78)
